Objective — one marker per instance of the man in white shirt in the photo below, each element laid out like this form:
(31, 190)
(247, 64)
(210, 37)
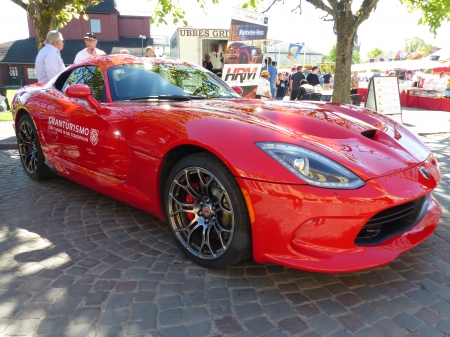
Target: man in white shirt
(90, 50)
(263, 88)
(48, 61)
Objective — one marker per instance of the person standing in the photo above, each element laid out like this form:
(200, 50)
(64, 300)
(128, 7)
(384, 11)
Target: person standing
(327, 80)
(281, 87)
(263, 88)
(355, 83)
(273, 75)
(312, 77)
(48, 61)
(149, 52)
(207, 62)
(294, 82)
(90, 50)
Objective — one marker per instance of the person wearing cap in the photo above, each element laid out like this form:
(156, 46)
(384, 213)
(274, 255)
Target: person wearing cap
(273, 75)
(48, 61)
(90, 50)
(263, 88)
(294, 82)
(312, 77)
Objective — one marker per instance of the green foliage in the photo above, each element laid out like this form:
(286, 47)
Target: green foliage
(331, 57)
(356, 57)
(173, 7)
(374, 52)
(413, 43)
(434, 12)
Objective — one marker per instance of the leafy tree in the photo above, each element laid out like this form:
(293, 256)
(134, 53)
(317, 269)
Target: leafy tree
(331, 57)
(413, 43)
(356, 57)
(375, 52)
(46, 15)
(434, 12)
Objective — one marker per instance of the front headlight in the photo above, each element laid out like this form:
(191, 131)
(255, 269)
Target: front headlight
(315, 169)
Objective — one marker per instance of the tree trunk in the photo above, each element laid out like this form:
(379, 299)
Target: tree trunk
(345, 33)
(43, 21)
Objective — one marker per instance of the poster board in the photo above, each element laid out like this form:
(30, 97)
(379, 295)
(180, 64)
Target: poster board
(244, 56)
(383, 95)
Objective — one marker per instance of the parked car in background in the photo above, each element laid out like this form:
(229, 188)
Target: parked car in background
(317, 186)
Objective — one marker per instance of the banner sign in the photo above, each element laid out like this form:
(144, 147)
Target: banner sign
(244, 55)
(293, 51)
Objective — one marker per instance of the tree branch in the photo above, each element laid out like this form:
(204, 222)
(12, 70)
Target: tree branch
(320, 4)
(364, 12)
(270, 6)
(20, 3)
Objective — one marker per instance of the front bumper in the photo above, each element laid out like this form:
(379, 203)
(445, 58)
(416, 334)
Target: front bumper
(310, 228)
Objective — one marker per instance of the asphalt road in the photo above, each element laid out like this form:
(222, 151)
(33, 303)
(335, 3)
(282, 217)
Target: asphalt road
(76, 263)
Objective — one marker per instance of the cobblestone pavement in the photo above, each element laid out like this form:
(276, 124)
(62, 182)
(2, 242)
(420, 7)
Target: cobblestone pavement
(76, 263)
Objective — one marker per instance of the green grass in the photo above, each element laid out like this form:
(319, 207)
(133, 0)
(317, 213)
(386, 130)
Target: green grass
(5, 116)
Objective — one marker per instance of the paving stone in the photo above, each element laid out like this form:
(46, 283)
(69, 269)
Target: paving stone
(141, 326)
(222, 307)
(279, 310)
(243, 295)
(117, 331)
(323, 324)
(259, 325)
(21, 327)
(368, 332)
(170, 317)
(331, 307)
(114, 317)
(428, 316)
(408, 321)
(96, 298)
(292, 325)
(85, 330)
(179, 331)
(389, 328)
(200, 329)
(388, 308)
(421, 296)
(444, 326)
(143, 310)
(177, 301)
(52, 325)
(195, 314)
(86, 315)
(118, 301)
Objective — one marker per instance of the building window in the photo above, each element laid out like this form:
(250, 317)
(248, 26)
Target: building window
(314, 59)
(32, 73)
(284, 58)
(95, 26)
(13, 72)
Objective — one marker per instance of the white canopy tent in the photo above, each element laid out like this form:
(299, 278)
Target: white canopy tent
(400, 65)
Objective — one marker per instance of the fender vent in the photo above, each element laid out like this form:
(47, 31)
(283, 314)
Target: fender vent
(391, 222)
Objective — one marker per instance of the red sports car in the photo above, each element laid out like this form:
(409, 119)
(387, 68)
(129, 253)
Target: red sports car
(317, 186)
(240, 53)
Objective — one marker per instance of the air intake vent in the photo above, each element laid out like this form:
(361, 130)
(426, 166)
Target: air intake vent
(391, 222)
(369, 133)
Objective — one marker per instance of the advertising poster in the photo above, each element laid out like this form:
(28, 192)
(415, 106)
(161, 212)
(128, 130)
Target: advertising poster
(383, 95)
(293, 51)
(244, 55)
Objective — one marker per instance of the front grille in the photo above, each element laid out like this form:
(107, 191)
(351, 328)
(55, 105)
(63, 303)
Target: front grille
(391, 222)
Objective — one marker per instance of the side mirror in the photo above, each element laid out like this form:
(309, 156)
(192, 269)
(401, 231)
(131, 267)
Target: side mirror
(82, 91)
(238, 90)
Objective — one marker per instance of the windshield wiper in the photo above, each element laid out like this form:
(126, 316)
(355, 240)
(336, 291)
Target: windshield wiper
(168, 97)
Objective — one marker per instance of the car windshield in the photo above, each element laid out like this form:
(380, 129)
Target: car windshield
(165, 81)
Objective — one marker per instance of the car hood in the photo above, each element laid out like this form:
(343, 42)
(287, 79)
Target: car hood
(369, 143)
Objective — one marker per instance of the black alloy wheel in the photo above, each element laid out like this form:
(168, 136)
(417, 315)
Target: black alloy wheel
(207, 213)
(31, 155)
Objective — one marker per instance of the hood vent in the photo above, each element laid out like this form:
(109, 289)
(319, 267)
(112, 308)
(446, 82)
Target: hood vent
(371, 133)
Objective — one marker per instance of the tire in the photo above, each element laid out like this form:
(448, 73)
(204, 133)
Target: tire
(207, 213)
(243, 58)
(31, 154)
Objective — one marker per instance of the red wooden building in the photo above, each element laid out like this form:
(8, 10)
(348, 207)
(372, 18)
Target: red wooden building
(113, 31)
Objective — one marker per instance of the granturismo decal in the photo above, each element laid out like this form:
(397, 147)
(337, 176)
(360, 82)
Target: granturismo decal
(72, 130)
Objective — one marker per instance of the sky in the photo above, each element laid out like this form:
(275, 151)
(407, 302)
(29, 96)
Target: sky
(387, 28)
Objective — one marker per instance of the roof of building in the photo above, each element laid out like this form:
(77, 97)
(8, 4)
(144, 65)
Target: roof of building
(106, 6)
(25, 51)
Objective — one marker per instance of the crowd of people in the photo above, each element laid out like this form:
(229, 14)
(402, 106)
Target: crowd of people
(297, 84)
(49, 62)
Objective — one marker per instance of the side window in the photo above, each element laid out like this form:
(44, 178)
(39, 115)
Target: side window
(89, 75)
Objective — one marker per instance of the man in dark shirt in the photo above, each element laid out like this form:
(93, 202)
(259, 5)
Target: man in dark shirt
(326, 80)
(312, 78)
(294, 82)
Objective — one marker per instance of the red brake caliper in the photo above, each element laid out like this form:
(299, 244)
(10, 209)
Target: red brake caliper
(190, 200)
